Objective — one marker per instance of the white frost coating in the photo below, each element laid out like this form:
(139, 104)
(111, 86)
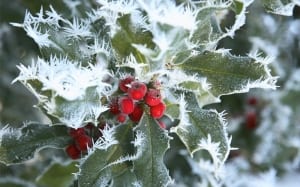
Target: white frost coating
(77, 29)
(239, 19)
(33, 29)
(285, 10)
(7, 131)
(164, 12)
(111, 11)
(131, 62)
(99, 47)
(213, 148)
(121, 6)
(108, 138)
(271, 50)
(183, 113)
(207, 171)
(66, 78)
(138, 143)
(272, 53)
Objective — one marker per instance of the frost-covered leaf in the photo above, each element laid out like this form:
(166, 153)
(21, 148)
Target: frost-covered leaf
(228, 74)
(202, 129)
(58, 175)
(111, 162)
(127, 35)
(66, 90)
(209, 16)
(19, 145)
(281, 7)
(149, 168)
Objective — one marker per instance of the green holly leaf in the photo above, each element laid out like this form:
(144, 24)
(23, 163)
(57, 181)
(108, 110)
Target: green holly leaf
(112, 162)
(19, 145)
(149, 168)
(202, 125)
(58, 175)
(228, 74)
(128, 34)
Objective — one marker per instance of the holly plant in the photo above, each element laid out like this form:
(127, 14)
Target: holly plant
(121, 81)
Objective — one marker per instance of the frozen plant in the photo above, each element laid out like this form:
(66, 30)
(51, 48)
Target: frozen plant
(120, 81)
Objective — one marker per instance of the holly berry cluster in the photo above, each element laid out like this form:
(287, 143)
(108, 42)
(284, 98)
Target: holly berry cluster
(133, 100)
(82, 139)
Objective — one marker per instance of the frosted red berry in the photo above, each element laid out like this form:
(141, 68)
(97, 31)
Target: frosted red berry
(126, 105)
(76, 132)
(137, 113)
(72, 151)
(114, 106)
(137, 90)
(121, 117)
(152, 97)
(157, 111)
(123, 85)
(83, 142)
(251, 120)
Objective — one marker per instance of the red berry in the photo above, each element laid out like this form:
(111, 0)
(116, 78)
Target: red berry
(83, 142)
(114, 106)
(137, 113)
(73, 151)
(152, 97)
(157, 111)
(121, 117)
(252, 101)
(137, 90)
(251, 120)
(126, 105)
(162, 124)
(77, 132)
(123, 85)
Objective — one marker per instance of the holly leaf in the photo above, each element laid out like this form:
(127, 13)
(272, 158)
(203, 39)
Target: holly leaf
(281, 7)
(19, 145)
(58, 175)
(200, 128)
(228, 74)
(112, 162)
(128, 34)
(149, 168)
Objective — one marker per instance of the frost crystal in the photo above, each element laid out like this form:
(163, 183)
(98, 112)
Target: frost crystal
(77, 29)
(212, 148)
(183, 115)
(68, 79)
(108, 138)
(164, 12)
